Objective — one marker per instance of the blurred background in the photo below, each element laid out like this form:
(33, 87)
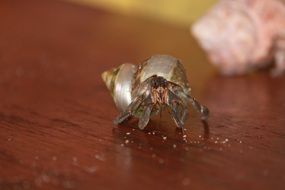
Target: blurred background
(179, 12)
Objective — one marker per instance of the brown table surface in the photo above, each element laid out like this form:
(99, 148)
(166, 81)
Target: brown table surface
(56, 114)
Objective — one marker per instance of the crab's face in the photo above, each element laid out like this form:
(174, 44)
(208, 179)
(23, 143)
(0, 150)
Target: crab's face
(159, 90)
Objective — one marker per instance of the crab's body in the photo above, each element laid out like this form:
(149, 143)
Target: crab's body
(144, 90)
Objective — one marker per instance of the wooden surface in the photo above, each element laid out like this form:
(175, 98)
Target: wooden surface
(56, 129)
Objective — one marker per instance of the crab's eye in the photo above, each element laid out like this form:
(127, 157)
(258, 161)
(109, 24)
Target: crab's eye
(164, 83)
(155, 82)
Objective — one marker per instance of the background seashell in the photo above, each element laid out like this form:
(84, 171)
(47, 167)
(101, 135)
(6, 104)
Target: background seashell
(241, 35)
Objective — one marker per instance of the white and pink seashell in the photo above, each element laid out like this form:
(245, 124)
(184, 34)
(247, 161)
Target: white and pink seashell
(242, 35)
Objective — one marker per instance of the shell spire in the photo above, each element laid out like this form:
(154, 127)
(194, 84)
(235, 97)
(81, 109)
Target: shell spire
(119, 82)
(109, 78)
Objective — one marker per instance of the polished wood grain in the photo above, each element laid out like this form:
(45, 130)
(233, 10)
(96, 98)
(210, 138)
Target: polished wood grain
(56, 129)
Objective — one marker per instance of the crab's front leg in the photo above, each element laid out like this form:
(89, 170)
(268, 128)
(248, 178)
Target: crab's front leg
(185, 98)
(131, 109)
(141, 106)
(279, 55)
(146, 108)
(179, 111)
(203, 110)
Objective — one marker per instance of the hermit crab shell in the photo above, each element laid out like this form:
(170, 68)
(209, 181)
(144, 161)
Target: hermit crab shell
(123, 81)
(119, 82)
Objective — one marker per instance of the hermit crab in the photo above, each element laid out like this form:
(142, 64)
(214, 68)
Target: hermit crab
(157, 84)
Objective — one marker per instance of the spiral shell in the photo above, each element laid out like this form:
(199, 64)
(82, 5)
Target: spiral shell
(119, 82)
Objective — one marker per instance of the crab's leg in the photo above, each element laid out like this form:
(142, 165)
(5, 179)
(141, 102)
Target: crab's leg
(129, 111)
(143, 121)
(179, 112)
(203, 110)
(176, 118)
(182, 98)
(146, 107)
(184, 115)
(279, 55)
